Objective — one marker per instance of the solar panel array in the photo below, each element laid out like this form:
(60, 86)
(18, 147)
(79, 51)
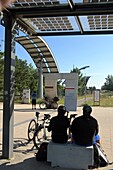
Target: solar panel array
(47, 23)
(52, 23)
(64, 23)
(100, 22)
(40, 3)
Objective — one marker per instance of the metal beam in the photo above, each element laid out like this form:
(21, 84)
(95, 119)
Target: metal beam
(94, 32)
(79, 24)
(64, 10)
(25, 26)
(71, 3)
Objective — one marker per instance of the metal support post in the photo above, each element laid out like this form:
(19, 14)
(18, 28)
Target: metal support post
(8, 103)
(40, 82)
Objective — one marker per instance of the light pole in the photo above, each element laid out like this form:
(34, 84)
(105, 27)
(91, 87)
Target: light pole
(86, 78)
(82, 68)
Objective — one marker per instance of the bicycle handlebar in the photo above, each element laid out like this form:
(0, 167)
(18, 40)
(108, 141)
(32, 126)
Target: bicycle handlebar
(47, 116)
(71, 115)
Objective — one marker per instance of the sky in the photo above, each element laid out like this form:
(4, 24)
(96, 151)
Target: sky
(95, 51)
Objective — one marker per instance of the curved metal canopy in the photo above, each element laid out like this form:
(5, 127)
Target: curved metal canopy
(39, 50)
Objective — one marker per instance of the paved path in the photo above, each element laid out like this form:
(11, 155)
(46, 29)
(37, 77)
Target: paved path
(24, 158)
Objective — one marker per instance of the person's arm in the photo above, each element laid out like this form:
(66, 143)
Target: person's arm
(50, 126)
(72, 139)
(68, 123)
(97, 128)
(73, 126)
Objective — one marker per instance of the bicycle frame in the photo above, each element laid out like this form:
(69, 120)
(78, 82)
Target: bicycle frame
(43, 126)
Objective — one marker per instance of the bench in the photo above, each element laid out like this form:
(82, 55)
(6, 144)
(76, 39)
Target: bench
(70, 155)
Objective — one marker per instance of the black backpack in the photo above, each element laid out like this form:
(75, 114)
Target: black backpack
(100, 158)
(41, 155)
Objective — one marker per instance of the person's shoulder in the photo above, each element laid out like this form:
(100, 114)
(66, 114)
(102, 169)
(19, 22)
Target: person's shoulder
(54, 117)
(78, 118)
(93, 118)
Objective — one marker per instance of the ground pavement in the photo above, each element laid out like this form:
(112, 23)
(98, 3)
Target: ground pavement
(24, 158)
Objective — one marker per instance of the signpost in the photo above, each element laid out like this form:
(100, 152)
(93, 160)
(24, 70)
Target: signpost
(97, 96)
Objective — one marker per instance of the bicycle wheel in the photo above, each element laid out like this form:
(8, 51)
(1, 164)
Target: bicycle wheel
(39, 137)
(43, 105)
(31, 129)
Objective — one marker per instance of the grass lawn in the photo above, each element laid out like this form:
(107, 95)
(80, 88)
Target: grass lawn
(105, 101)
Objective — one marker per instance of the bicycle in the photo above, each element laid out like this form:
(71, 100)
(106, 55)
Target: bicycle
(32, 127)
(49, 103)
(40, 132)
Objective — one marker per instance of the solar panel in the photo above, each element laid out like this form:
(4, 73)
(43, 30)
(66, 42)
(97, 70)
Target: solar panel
(52, 24)
(26, 3)
(100, 22)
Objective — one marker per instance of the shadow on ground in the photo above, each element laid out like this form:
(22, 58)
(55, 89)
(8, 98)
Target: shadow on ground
(26, 164)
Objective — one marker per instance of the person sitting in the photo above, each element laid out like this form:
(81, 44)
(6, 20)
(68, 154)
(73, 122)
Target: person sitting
(58, 125)
(85, 128)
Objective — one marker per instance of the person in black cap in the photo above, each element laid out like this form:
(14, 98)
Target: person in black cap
(58, 125)
(85, 128)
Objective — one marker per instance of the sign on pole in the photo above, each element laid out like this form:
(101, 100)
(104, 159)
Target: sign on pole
(97, 96)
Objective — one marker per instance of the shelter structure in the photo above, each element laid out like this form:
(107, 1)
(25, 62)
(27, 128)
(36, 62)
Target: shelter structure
(42, 56)
(46, 18)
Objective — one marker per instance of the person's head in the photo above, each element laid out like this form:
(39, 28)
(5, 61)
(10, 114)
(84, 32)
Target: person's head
(87, 110)
(5, 4)
(61, 110)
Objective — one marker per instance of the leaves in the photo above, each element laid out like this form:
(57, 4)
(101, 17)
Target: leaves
(108, 85)
(26, 77)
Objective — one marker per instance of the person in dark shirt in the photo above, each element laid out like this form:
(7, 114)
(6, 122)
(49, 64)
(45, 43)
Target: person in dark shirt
(58, 125)
(34, 97)
(84, 128)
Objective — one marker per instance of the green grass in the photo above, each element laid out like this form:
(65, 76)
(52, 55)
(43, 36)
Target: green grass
(105, 101)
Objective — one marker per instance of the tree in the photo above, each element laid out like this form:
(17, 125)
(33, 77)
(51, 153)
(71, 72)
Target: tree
(26, 77)
(61, 87)
(91, 89)
(108, 85)
(80, 80)
(33, 78)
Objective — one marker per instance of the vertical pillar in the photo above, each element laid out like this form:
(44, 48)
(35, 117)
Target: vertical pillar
(9, 76)
(40, 82)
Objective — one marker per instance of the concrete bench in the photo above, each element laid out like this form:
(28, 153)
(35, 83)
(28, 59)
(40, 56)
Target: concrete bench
(70, 155)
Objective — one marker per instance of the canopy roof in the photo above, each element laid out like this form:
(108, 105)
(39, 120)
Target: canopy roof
(63, 17)
(58, 17)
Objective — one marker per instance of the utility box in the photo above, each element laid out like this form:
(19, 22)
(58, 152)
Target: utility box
(26, 96)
